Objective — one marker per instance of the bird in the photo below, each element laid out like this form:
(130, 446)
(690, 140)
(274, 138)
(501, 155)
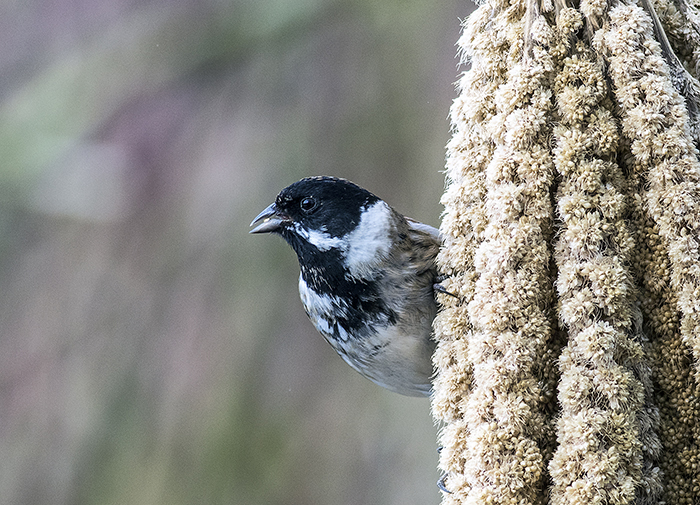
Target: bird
(367, 279)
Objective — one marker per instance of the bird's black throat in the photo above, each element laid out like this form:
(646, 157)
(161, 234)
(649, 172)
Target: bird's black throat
(323, 272)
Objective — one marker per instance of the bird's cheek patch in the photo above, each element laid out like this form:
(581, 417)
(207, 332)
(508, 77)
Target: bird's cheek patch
(369, 243)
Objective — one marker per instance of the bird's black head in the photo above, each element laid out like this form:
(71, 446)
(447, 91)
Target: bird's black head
(315, 210)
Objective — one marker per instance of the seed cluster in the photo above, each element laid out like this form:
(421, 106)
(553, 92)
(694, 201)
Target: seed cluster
(569, 363)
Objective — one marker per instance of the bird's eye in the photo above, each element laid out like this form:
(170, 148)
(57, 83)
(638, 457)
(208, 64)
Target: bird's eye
(308, 204)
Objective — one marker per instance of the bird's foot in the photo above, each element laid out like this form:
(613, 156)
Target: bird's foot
(441, 483)
(439, 288)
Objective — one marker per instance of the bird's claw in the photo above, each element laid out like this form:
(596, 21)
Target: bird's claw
(439, 288)
(441, 483)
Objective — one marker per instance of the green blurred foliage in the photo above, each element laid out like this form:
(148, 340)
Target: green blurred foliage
(152, 351)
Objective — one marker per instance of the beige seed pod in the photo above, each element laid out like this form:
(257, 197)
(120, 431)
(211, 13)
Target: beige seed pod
(568, 364)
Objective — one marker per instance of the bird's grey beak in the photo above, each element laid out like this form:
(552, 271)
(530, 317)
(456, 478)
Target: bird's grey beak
(271, 220)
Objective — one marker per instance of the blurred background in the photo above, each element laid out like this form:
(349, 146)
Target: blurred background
(151, 351)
